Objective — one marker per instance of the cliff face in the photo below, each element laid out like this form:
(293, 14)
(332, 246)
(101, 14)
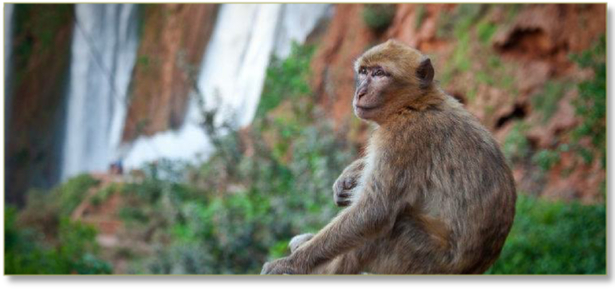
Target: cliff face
(41, 54)
(172, 46)
(510, 65)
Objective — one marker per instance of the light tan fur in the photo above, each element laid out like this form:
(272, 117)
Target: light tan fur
(433, 193)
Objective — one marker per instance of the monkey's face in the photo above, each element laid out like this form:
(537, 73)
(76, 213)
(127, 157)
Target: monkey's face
(370, 96)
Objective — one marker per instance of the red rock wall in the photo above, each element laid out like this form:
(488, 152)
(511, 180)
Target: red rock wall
(530, 47)
(172, 45)
(41, 55)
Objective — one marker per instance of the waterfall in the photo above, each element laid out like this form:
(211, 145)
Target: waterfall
(297, 22)
(232, 73)
(103, 49)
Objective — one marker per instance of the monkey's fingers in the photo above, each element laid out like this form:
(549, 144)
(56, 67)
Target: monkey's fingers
(342, 199)
(349, 183)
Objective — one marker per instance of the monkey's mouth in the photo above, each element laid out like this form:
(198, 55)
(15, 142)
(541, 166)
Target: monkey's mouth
(362, 108)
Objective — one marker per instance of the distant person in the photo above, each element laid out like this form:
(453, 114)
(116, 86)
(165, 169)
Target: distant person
(116, 168)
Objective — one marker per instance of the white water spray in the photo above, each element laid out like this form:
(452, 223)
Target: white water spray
(103, 49)
(232, 73)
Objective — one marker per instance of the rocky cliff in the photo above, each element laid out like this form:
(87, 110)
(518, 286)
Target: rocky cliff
(172, 45)
(41, 54)
(511, 65)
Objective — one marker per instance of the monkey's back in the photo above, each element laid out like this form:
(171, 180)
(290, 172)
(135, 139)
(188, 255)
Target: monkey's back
(458, 176)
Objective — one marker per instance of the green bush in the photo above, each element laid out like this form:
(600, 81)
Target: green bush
(286, 78)
(234, 229)
(547, 101)
(41, 238)
(545, 159)
(554, 238)
(590, 106)
(27, 251)
(378, 16)
(71, 193)
(235, 211)
(516, 146)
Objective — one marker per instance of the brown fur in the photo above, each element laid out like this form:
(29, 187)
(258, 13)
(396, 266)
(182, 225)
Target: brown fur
(433, 193)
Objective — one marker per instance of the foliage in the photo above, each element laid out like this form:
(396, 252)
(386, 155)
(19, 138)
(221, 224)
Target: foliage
(246, 210)
(41, 239)
(590, 107)
(554, 238)
(241, 222)
(378, 16)
(71, 193)
(485, 31)
(45, 209)
(516, 146)
(545, 159)
(471, 27)
(286, 78)
(27, 251)
(547, 101)
(460, 21)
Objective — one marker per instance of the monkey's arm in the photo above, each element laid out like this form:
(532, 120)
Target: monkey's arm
(355, 168)
(371, 216)
(347, 181)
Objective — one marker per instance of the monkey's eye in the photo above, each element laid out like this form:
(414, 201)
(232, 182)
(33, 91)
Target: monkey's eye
(362, 71)
(379, 73)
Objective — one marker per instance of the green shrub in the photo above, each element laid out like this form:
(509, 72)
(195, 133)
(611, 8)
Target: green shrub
(378, 16)
(236, 211)
(234, 229)
(460, 21)
(516, 146)
(72, 192)
(286, 78)
(545, 159)
(27, 251)
(590, 106)
(485, 31)
(554, 238)
(547, 101)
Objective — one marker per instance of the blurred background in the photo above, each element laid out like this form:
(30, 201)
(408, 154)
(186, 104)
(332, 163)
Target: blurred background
(200, 138)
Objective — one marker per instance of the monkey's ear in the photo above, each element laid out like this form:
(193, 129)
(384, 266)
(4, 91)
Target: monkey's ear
(425, 73)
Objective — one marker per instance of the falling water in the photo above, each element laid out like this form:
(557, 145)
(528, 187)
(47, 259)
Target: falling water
(232, 73)
(297, 22)
(104, 48)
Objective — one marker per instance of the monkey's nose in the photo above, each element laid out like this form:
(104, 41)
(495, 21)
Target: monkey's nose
(362, 91)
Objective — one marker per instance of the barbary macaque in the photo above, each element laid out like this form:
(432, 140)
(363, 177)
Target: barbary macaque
(433, 193)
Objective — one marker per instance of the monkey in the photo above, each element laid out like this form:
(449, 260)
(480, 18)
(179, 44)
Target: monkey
(433, 193)
(347, 182)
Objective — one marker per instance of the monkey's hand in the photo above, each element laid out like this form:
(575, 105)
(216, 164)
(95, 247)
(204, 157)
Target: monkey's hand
(298, 241)
(342, 189)
(281, 267)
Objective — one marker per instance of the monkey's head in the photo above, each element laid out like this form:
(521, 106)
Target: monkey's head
(391, 77)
